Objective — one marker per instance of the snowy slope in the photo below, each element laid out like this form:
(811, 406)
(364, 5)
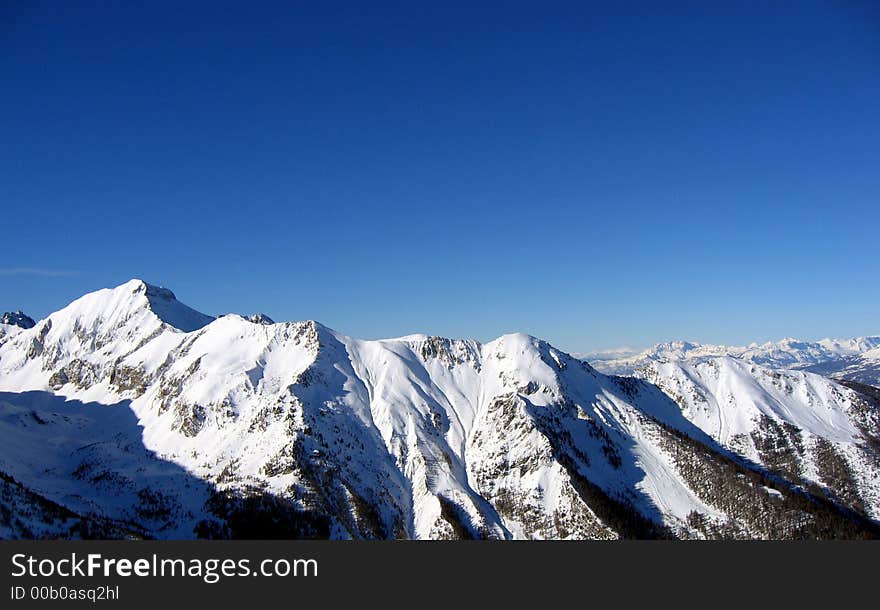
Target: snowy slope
(7, 330)
(233, 427)
(806, 427)
(89, 458)
(13, 322)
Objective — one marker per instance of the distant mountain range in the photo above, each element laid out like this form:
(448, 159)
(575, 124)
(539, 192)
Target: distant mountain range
(128, 414)
(854, 359)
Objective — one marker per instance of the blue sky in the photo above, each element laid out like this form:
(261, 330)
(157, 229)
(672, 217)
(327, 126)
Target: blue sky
(598, 176)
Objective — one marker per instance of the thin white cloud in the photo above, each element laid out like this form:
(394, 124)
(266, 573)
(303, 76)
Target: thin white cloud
(36, 271)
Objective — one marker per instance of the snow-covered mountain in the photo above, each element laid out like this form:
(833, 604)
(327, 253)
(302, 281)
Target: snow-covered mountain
(784, 354)
(13, 322)
(129, 414)
(863, 367)
(806, 428)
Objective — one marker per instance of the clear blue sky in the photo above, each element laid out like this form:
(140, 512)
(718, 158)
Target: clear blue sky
(592, 175)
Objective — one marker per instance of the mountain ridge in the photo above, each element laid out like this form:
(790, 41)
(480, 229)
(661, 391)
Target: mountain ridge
(785, 353)
(416, 437)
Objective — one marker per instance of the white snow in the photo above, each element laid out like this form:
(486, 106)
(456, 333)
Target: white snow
(409, 422)
(786, 353)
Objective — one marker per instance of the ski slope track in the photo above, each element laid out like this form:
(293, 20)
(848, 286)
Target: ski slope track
(130, 415)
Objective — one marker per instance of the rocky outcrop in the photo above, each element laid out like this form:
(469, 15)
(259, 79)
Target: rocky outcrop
(17, 318)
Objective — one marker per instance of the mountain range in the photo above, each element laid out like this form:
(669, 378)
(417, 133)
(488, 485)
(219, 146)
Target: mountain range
(128, 414)
(855, 359)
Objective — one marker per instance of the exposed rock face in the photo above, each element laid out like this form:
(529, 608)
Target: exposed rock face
(17, 318)
(260, 318)
(127, 407)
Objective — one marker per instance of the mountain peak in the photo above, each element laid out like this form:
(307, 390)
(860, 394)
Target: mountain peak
(151, 291)
(429, 437)
(260, 318)
(17, 318)
(133, 296)
(154, 292)
(162, 302)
